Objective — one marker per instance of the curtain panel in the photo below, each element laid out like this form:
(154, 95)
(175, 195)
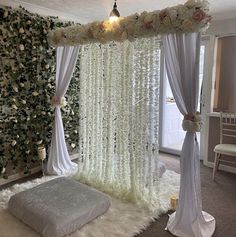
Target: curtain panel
(182, 53)
(59, 162)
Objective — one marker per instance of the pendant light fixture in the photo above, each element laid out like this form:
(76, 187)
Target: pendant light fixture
(114, 15)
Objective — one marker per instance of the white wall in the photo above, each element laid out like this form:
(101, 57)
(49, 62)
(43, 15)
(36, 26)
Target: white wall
(218, 28)
(222, 27)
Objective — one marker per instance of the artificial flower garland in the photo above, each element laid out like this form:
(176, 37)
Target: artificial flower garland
(189, 17)
(27, 83)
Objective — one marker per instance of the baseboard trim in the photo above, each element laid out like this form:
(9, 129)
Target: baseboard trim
(19, 175)
(35, 170)
(226, 168)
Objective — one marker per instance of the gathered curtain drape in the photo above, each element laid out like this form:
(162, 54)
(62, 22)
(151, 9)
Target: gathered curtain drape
(182, 65)
(59, 162)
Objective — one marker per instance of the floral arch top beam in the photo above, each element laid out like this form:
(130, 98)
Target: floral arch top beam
(189, 17)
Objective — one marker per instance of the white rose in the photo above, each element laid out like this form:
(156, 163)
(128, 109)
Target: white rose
(34, 59)
(27, 152)
(39, 142)
(15, 120)
(72, 145)
(14, 106)
(3, 170)
(13, 143)
(28, 22)
(17, 136)
(35, 93)
(43, 112)
(75, 131)
(21, 30)
(28, 119)
(14, 100)
(63, 102)
(22, 84)
(47, 66)
(21, 47)
(23, 102)
(35, 116)
(15, 88)
(5, 14)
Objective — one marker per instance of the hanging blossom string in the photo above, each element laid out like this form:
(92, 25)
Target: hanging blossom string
(115, 95)
(189, 17)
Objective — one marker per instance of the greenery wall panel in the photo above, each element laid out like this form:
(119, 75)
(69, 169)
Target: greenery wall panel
(27, 84)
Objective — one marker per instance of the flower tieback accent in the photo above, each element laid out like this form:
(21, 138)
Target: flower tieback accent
(192, 122)
(58, 101)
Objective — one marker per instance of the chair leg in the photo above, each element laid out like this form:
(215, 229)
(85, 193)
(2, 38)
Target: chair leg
(216, 164)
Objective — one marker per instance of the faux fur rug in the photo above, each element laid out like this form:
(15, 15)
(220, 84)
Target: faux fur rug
(121, 220)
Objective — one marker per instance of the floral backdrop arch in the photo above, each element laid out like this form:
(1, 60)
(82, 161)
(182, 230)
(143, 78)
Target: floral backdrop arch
(118, 148)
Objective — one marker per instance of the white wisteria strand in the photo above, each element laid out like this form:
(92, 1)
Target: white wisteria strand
(189, 17)
(118, 119)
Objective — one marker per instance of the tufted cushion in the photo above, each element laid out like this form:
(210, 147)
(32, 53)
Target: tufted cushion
(58, 207)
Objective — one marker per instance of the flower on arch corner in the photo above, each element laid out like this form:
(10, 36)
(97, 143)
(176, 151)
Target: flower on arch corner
(199, 15)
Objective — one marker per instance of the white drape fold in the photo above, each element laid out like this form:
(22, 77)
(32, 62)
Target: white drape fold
(59, 162)
(182, 65)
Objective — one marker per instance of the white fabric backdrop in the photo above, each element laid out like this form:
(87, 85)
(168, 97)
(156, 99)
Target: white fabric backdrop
(182, 65)
(59, 162)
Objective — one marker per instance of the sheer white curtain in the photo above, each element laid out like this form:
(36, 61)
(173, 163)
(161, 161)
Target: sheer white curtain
(182, 64)
(59, 162)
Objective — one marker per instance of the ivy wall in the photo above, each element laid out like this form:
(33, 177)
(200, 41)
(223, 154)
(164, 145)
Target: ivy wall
(27, 84)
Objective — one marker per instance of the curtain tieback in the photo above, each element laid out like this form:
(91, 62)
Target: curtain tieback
(58, 101)
(192, 122)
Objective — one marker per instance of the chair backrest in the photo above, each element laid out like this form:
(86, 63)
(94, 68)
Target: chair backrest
(227, 125)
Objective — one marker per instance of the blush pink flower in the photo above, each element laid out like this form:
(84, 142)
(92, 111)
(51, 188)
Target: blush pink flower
(162, 15)
(199, 15)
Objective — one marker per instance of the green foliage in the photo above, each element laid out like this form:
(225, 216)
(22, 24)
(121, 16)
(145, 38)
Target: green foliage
(27, 84)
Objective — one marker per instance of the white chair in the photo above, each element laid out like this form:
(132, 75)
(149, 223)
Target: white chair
(227, 129)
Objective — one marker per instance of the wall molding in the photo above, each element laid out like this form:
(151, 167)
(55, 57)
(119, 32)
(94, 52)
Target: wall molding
(225, 168)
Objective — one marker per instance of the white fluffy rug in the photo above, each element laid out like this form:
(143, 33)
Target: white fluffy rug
(122, 219)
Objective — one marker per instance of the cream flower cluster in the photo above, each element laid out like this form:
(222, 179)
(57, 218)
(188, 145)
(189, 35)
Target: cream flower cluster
(192, 122)
(189, 17)
(57, 101)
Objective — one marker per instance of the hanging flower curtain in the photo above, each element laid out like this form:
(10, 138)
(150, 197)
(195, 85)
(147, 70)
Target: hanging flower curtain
(189, 17)
(119, 88)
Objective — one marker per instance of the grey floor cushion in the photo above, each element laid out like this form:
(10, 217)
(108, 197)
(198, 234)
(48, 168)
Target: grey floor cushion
(58, 207)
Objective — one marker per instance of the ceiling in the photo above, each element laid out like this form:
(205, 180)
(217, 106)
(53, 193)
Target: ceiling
(84, 11)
